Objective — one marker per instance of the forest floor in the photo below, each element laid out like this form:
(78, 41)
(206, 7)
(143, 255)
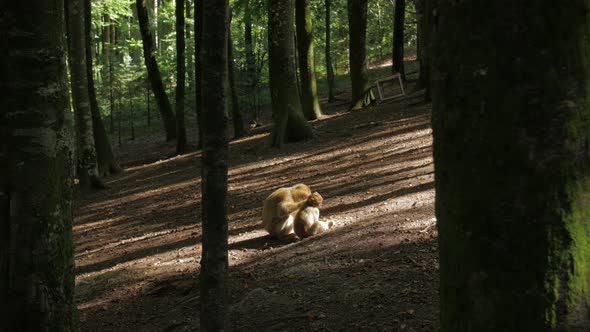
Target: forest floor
(138, 243)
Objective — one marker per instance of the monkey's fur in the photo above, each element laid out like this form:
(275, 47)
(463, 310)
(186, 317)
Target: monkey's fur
(280, 207)
(307, 221)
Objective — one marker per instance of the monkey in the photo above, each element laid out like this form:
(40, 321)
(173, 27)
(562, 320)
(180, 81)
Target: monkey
(280, 207)
(307, 220)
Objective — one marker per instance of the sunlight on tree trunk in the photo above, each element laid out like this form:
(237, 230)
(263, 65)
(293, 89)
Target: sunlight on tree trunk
(357, 23)
(288, 119)
(309, 94)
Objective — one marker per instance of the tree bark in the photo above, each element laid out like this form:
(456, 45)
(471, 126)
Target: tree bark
(398, 38)
(512, 164)
(107, 164)
(190, 66)
(329, 68)
(198, 21)
(423, 52)
(181, 145)
(357, 26)
(289, 122)
(36, 173)
(86, 165)
(153, 70)
(214, 261)
(309, 94)
(235, 104)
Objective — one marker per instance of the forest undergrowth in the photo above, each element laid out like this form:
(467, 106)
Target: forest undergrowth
(138, 243)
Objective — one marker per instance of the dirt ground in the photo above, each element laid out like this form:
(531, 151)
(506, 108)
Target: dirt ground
(138, 243)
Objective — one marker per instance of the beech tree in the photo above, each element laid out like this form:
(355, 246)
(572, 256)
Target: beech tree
(181, 144)
(329, 67)
(398, 38)
(512, 163)
(86, 165)
(237, 120)
(107, 164)
(289, 122)
(214, 258)
(153, 70)
(198, 12)
(36, 173)
(357, 27)
(309, 94)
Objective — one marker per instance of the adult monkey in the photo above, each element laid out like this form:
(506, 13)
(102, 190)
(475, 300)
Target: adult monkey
(280, 207)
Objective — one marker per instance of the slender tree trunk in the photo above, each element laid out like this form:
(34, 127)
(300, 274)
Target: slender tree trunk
(329, 68)
(107, 164)
(235, 105)
(214, 260)
(309, 94)
(357, 26)
(198, 21)
(398, 38)
(190, 67)
(512, 165)
(86, 165)
(181, 146)
(428, 29)
(424, 75)
(153, 70)
(288, 119)
(251, 72)
(36, 159)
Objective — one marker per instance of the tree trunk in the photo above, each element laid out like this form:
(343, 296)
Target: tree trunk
(357, 27)
(181, 146)
(289, 122)
(86, 165)
(398, 38)
(329, 68)
(190, 67)
(309, 94)
(251, 72)
(107, 164)
(36, 150)
(235, 105)
(198, 21)
(214, 259)
(423, 52)
(155, 78)
(512, 165)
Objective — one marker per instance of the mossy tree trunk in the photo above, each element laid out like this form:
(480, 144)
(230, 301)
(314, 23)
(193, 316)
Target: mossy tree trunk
(86, 165)
(149, 51)
(512, 164)
(357, 29)
(237, 120)
(288, 119)
(214, 259)
(329, 67)
(398, 38)
(36, 171)
(198, 21)
(181, 144)
(107, 164)
(309, 94)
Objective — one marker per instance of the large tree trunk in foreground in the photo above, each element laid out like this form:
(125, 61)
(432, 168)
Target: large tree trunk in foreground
(398, 38)
(153, 70)
(289, 122)
(36, 152)
(329, 68)
(214, 260)
(309, 94)
(181, 145)
(86, 166)
(511, 131)
(357, 27)
(198, 67)
(235, 104)
(107, 164)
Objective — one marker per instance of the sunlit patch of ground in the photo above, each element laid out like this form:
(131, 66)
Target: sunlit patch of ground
(138, 243)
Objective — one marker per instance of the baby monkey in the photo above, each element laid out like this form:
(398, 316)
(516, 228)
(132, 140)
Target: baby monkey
(307, 221)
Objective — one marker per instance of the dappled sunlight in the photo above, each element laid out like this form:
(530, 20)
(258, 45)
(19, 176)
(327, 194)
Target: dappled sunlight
(373, 168)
